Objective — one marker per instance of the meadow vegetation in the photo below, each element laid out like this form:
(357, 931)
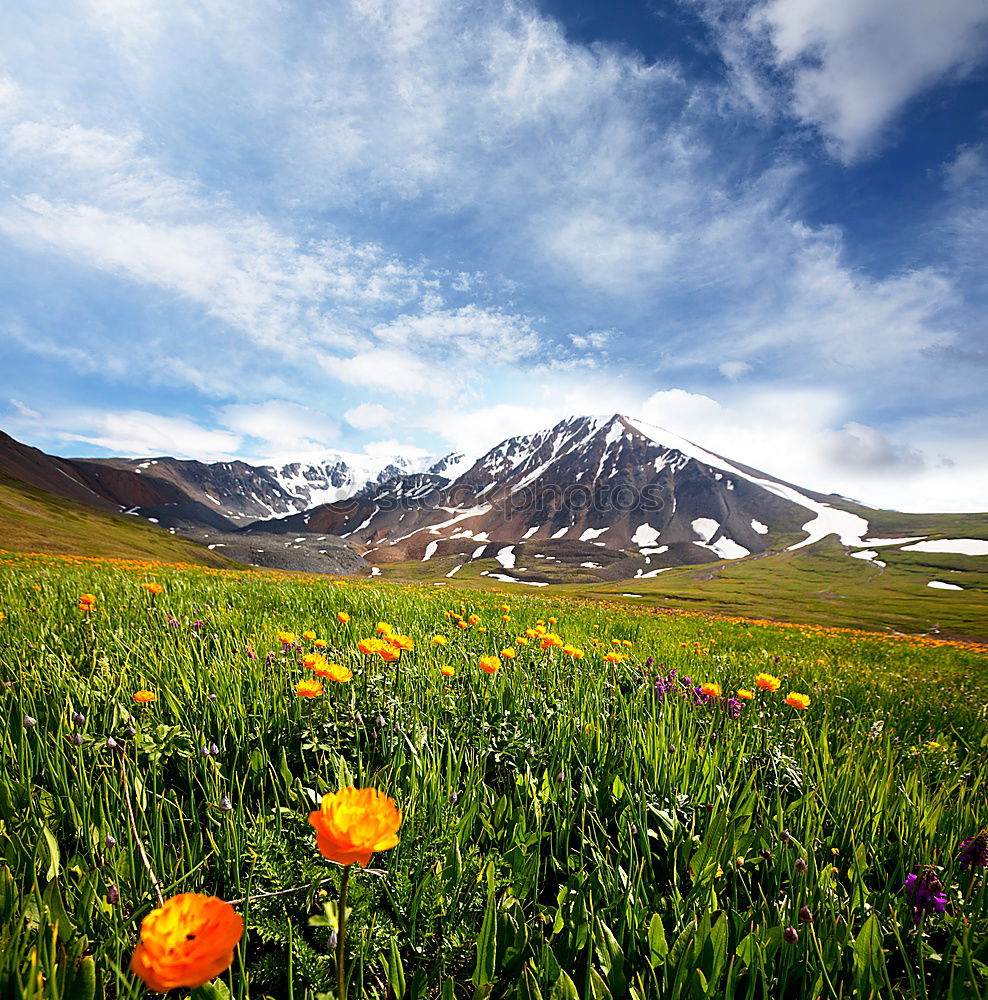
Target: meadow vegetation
(595, 801)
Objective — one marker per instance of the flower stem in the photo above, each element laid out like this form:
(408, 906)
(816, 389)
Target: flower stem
(341, 936)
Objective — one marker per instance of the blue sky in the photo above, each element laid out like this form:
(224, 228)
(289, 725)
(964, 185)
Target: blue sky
(262, 229)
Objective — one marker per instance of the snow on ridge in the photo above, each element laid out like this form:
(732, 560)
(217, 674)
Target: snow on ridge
(645, 536)
(506, 557)
(953, 546)
(940, 585)
(726, 548)
(430, 551)
(590, 533)
(850, 528)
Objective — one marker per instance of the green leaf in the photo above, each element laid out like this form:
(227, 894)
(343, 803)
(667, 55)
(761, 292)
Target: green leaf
(658, 947)
(54, 856)
(396, 971)
(483, 974)
(565, 989)
(869, 959)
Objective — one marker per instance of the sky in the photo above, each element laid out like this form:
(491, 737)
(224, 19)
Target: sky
(267, 229)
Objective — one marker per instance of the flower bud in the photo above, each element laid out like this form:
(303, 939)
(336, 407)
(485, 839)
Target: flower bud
(332, 940)
(78, 718)
(791, 935)
(214, 750)
(29, 722)
(111, 743)
(531, 716)
(111, 841)
(785, 836)
(225, 804)
(560, 778)
(453, 797)
(806, 915)
(204, 750)
(800, 865)
(379, 721)
(113, 895)
(77, 739)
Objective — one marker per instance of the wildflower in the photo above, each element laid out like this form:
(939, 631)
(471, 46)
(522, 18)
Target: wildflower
(110, 841)
(186, 942)
(806, 915)
(453, 798)
(320, 643)
(791, 935)
(490, 664)
(388, 653)
(530, 717)
(573, 651)
(287, 638)
(153, 588)
(505, 607)
(144, 697)
(446, 670)
(113, 895)
(353, 823)
(551, 640)
(973, 853)
(384, 629)
(552, 621)
(309, 635)
(342, 617)
(626, 642)
(314, 661)
(924, 891)
(308, 689)
(78, 718)
(335, 672)
(507, 654)
(474, 620)
(800, 865)
(77, 739)
(521, 640)
(505, 618)
(462, 624)
(111, 743)
(797, 700)
(613, 658)
(402, 641)
(767, 682)
(369, 646)
(87, 602)
(710, 689)
(745, 694)
(225, 804)
(439, 640)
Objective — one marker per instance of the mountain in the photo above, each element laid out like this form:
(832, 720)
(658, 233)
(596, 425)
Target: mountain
(596, 493)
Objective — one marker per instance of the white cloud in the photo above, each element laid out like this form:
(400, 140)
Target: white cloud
(280, 425)
(139, 434)
(368, 415)
(24, 411)
(853, 65)
(734, 369)
(592, 340)
(969, 163)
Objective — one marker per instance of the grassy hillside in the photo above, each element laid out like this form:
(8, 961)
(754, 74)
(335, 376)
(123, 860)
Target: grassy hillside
(632, 806)
(33, 520)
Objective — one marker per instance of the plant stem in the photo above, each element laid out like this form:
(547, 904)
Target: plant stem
(341, 936)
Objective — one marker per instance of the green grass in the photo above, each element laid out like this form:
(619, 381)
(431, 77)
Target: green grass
(33, 520)
(569, 829)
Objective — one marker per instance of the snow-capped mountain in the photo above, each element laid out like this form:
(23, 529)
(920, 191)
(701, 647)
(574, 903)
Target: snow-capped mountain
(610, 492)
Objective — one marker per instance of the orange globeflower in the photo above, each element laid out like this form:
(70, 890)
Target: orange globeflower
(369, 646)
(507, 654)
(474, 620)
(710, 690)
(490, 664)
(383, 628)
(521, 641)
(573, 651)
(335, 672)
(767, 682)
(342, 617)
(309, 635)
(186, 942)
(797, 700)
(745, 695)
(287, 638)
(388, 653)
(314, 661)
(613, 658)
(353, 823)
(320, 643)
(446, 670)
(462, 624)
(87, 602)
(402, 641)
(143, 696)
(308, 689)
(505, 618)
(439, 640)
(153, 588)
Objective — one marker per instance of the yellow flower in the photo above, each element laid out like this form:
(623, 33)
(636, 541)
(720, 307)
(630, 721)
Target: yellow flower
(521, 641)
(383, 628)
(153, 588)
(144, 697)
(186, 942)
(505, 618)
(613, 658)
(401, 641)
(710, 690)
(463, 624)
(446, 670)
(342, 617)
(507, 654)
(745, 695)
(353, 823)
(474, 620)
(309, 635)
(308, 689)
(439, 640)
(552, 621)
(369, 646)
(490, 664)
(334, 672)
(504, 607)
(767, 682)
(577, 654)
(797, 700)
(320, 643)
(625, 642)
(287, 638)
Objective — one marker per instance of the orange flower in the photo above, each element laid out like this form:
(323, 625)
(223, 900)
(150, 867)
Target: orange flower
(505, 607)
(505, 618)
(710, 690)
(462, 624)
(186, 942)
(320, 643)
(314, 661)
(308, 689)
(335, 672)
(439, 640)
(552, 621)
(353, 823)
(309, 635)
(521, 641)
(474, 620)
(87, 602)
(287, 638)
(383, 628)
(613, 658)
(797, 700)
(767, 682)
(550, 639)
(369, 646)
(342, 617)
(490, 664)
(577, 654)
(143, 696)
(388, 653)
(446, 670)
(153, 588)
(745, 695)
(507, 654)
(401, 641)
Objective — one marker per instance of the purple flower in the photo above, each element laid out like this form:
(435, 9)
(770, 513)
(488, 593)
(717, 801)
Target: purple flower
(973, 852)
(734, 706)
(791, 935)
(924, 891)
(173, 622)
(225, 804)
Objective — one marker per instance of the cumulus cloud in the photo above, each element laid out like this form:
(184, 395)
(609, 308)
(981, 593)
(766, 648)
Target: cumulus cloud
(366, 416)
(280, 425)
